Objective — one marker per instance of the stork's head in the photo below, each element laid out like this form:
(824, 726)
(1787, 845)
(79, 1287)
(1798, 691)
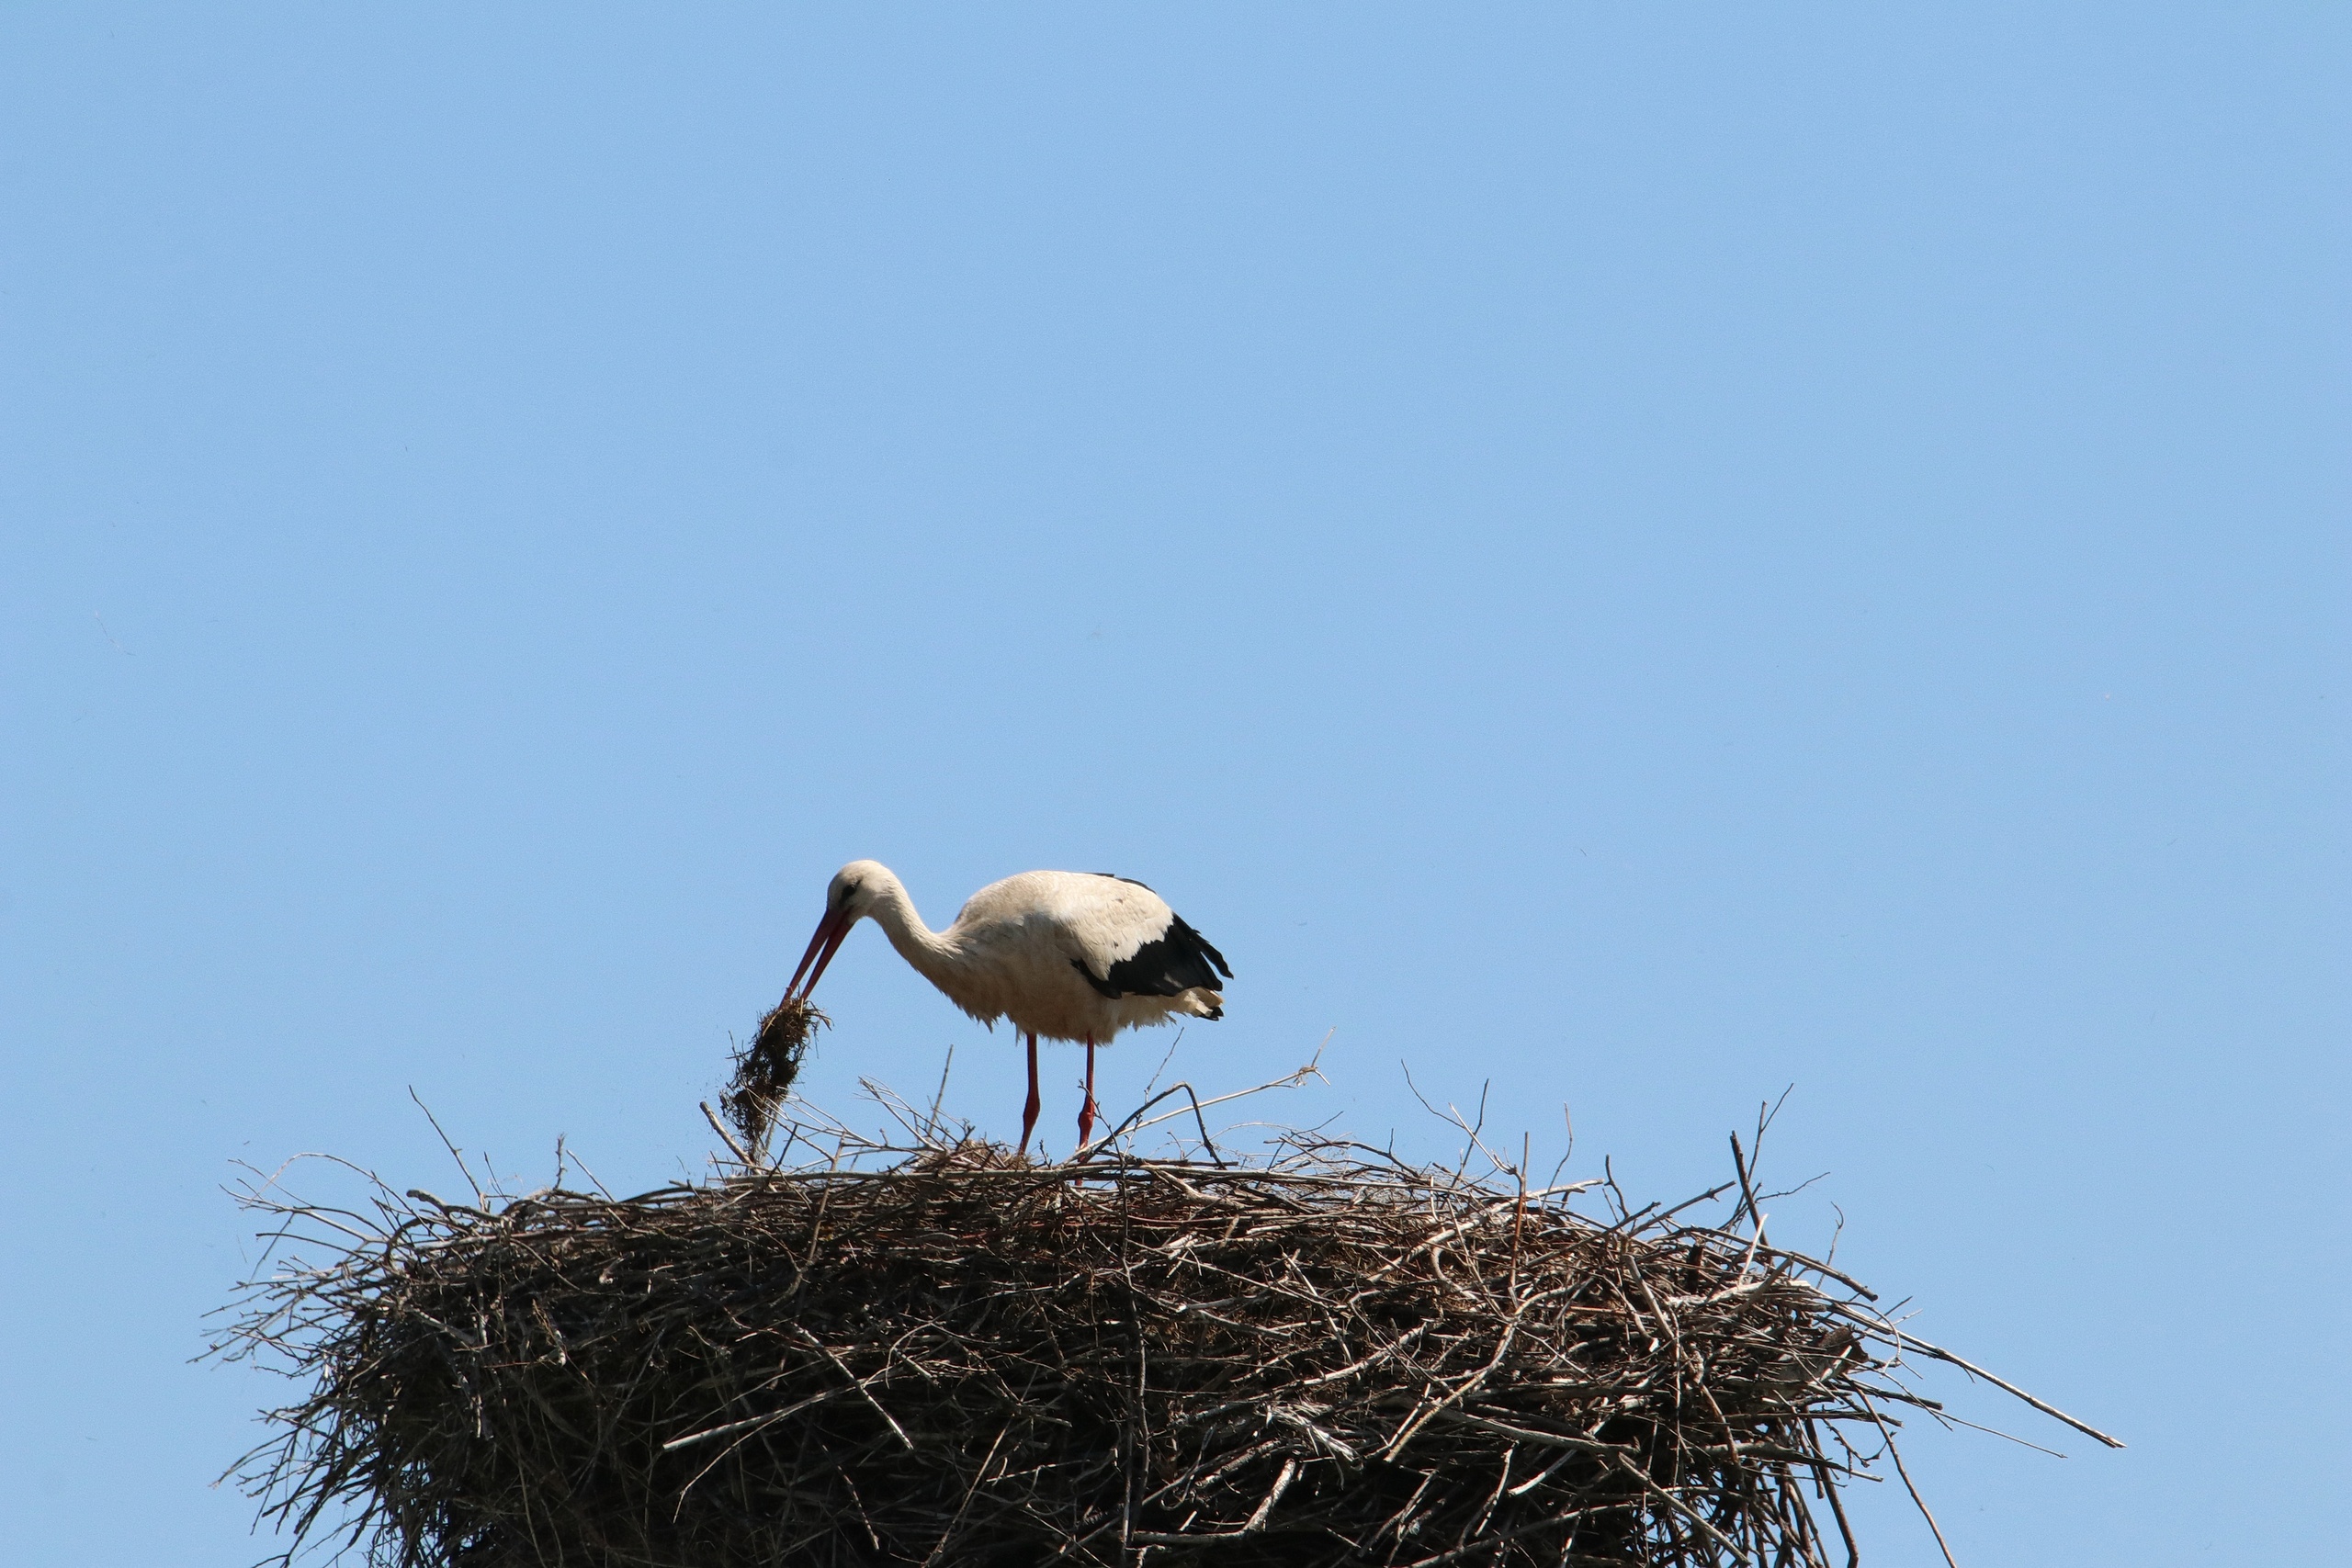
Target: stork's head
(849, 899)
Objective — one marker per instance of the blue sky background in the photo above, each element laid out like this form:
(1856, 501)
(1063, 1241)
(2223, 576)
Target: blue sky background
(1640, 557)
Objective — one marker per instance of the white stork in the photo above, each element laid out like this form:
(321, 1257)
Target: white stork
(1069, 955)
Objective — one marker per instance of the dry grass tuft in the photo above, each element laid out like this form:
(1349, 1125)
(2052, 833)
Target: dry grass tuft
(764, 1069)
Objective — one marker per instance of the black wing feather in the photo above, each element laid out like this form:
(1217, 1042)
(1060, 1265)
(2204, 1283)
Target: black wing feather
(1180, 959)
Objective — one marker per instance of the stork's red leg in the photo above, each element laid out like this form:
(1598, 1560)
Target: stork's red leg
(1029, 1111)
(1087, 1112)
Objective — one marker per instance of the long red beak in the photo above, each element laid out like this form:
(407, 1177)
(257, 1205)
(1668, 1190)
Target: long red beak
(832, 931)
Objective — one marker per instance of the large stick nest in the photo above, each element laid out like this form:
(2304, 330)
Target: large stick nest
(941, 1354)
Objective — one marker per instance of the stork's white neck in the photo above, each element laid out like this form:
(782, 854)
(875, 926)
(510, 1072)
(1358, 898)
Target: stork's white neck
(936, 957)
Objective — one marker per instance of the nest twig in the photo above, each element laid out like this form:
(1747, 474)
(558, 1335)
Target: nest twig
(937, 1353)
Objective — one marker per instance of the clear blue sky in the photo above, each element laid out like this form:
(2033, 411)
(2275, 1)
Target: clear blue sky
(1640, 557)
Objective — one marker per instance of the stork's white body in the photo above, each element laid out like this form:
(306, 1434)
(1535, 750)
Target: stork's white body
(1022, 949)
(1065, 954)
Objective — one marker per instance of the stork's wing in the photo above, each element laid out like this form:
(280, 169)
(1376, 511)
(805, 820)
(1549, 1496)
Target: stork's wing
(1179, 960)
